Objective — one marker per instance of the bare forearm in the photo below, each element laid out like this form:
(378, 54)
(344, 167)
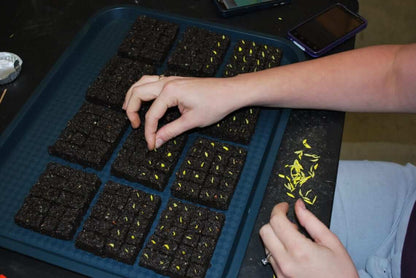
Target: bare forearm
(373, 79)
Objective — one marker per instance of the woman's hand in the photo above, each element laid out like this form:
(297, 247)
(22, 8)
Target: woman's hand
(201, 102)
(294, 255)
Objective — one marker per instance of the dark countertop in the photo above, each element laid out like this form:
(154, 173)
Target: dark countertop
(40, 31)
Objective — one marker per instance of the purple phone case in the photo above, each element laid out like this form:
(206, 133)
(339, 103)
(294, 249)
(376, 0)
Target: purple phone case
(327, 48)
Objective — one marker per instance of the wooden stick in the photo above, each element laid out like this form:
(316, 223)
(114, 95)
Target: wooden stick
(2, 95)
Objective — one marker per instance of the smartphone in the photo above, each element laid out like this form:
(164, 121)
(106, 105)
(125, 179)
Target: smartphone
(329, 28)
(233, 7)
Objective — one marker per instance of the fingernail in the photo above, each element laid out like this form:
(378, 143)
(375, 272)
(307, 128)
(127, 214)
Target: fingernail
(301, 204)
(159, 142)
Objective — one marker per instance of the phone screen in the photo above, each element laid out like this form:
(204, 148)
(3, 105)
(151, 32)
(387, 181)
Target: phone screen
(327, 27)
(230, 4)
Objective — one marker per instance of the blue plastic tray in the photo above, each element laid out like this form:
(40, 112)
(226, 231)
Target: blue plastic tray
(24, 155)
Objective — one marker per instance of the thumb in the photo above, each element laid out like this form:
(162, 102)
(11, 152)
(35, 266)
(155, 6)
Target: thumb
(173, 129)
(315, 228)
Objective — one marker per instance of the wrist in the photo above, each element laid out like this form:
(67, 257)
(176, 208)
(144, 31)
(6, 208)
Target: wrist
(254, 89)
(243, 90)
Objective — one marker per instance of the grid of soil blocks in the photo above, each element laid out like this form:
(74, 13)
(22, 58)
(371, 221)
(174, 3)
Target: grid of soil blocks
(209, 173)
(114, 80)
(237, 127)
(91, 136)
(199, 53)
(136, 163)
(249, 56)
(184, 240)
(149, 40)
(119, 223)
(58, 201)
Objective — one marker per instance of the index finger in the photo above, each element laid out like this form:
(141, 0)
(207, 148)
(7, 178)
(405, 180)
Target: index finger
(284, 229)
(144, 92)
(143, 80)
(156, 111)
